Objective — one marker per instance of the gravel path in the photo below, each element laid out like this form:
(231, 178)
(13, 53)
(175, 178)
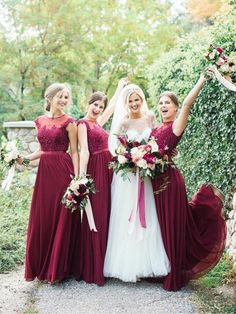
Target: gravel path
(18, 296)
(14, 292)
(114, 297)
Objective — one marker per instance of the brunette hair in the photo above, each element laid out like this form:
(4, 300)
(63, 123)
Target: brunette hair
(98, 96)
(51, 92)
(172, 96)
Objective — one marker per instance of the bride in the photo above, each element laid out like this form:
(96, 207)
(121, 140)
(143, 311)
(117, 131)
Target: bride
(133, 251)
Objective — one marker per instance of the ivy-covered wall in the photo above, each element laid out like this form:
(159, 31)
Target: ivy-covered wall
(208, 148)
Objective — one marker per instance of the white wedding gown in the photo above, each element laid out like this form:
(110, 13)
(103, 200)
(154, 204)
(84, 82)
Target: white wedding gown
(139, 253)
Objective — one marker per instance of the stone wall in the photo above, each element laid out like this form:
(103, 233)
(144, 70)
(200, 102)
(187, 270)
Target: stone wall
(231, 231)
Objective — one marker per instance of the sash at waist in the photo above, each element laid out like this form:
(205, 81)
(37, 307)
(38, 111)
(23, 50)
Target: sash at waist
(54, 152)
(100, 151)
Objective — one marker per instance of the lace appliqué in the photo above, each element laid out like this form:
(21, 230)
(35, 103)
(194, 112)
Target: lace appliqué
(52, 133)
(97, 136)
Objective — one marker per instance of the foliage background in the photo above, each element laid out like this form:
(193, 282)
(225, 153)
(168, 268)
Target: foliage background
(208, 146)
(92, 43)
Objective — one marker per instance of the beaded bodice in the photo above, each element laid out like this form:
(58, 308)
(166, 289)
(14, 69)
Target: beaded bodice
(165, 137)
(97, 136)
(52, 133)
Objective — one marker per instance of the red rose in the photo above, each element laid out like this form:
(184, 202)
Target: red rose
(128, 156)
(136, 144)
(149, 158)
(123, 140)
(69, 197)
(220, 50)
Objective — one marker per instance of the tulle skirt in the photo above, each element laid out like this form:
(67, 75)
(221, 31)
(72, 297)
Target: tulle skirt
(133, 252)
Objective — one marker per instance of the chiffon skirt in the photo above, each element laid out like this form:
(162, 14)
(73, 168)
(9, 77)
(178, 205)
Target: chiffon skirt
(193, 232)
(94, 243)
(54, 233)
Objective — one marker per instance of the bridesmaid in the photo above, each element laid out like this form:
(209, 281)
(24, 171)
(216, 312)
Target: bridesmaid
(193, 233)
(94, 159)
(53, 231)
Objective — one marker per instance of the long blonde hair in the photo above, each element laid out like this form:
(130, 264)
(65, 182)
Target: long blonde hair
(52, 91)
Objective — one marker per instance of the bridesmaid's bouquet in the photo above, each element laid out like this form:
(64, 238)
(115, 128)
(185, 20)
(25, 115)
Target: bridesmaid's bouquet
(216, 57)
(9, 153)
(76, 195)
(143, 156)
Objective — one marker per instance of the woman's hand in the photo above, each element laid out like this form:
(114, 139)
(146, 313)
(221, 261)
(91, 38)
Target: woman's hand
(207, 74)
(122, 83)
(175, 153)
(20, 160)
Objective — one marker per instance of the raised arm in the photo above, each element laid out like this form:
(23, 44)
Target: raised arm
(181, 121)
(111, 106)
(72, 134)
(84, 151)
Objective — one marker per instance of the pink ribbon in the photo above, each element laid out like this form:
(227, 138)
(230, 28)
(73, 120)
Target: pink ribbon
(141, 203)
(138, 209)
(89, 213)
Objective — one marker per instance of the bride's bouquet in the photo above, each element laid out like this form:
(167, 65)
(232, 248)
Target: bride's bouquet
(9, 153)
(143, 156)
(76, 195)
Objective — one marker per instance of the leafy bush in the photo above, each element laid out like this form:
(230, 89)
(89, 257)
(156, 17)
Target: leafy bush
(14, 209)
(208, 146)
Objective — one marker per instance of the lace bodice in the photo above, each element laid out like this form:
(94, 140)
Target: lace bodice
(97, 136)
(135, 135)
(52, 133)
(165, 137)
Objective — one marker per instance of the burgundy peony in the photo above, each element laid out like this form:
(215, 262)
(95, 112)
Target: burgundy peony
(149, 158)
(82, 189)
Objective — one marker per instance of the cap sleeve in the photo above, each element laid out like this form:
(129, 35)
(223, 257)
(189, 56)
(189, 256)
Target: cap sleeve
(69, 120)
(37, 122)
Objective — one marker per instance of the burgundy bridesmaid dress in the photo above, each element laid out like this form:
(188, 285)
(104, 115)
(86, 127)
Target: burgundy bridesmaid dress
(94, 243)
(193, 232)
(53, 232)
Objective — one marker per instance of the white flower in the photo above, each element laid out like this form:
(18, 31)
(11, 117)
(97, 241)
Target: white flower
(120, 150)
(11, 156)
(74, 185)
(137, 153)
(142, 164)
(155, 147)
(224, 68)
(83, 181)
(212, 55)
(122, 159)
